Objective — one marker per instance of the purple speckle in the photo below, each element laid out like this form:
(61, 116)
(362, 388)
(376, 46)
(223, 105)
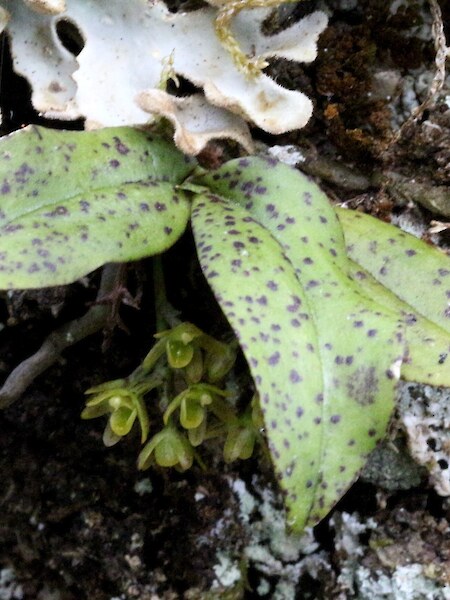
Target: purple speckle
(311, 284)
(360, 275)
(22, 173)
(33, 268)
(247, 186)
(120, 146)
(244, 162)
(11, 228)
(59, 211)
(274, 359)
(294, 376)
(335, 419)
(6, 188)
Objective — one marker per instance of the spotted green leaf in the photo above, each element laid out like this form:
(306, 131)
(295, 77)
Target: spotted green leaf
(414, 284)
(325, 358)
(260, 294)
(415, 271)
(320, 432)
(71, 201)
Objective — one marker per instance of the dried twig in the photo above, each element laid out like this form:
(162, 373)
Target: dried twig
(64, 337)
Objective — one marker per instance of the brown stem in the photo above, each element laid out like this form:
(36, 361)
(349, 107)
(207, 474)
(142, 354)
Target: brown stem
(64, 337)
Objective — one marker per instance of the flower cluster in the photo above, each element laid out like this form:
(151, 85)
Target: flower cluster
(202, 410)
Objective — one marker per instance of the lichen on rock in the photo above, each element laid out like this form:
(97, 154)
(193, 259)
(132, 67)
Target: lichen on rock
(424, 413)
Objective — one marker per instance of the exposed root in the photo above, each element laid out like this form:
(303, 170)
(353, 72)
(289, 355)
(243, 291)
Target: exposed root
(69, 334)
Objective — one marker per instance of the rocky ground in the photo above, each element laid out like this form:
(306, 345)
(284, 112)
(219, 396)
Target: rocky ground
(78, 521)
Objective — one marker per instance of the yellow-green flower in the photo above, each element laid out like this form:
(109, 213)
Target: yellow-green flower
(123, 403)
(188, 347)
(193, 403)
(168, 448)
(243, 433)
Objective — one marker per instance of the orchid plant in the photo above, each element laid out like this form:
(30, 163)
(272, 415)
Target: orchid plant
(330, 306)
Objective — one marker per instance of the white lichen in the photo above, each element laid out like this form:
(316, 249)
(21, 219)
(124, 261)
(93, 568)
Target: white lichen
(9, 588)
(227, 572)
(117, 77)
(290, 155)
(424, 413)
(405, 583)
(143, 486)
(271, 549)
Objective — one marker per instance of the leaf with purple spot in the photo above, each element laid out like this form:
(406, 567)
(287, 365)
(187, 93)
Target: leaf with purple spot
(260, 294)
(72, 201)
(427, 343)
(356, 352)
(414, 271)
(360, 343)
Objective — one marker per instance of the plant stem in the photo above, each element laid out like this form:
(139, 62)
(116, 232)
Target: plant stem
(165, 314)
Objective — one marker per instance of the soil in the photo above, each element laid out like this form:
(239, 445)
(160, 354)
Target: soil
(78, 520)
